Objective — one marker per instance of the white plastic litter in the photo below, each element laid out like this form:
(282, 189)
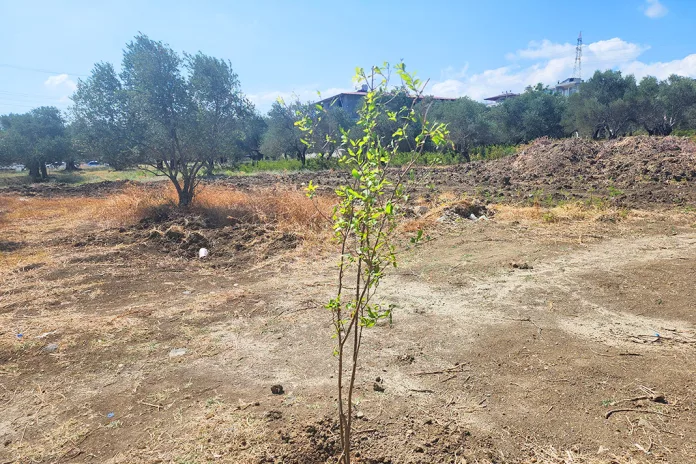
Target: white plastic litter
(472, 216)
(176, 352)
(202, 253)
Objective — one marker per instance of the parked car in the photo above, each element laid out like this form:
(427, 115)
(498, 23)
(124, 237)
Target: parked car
(93, 163)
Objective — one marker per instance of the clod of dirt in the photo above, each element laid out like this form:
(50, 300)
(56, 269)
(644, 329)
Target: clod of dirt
(277, 389)
(378, 385)
(273, 415)
(521, 266)
(405, 359)
(155, 235)
(6, 246)
(658, 398)
(175, 234)
(466, 210)
(420, 210)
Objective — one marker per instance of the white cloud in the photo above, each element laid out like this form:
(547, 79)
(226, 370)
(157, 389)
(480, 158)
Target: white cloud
(653, 9)
(549, 62)
(451, 72)
(544, 49)
(61, 81)
(683, 67)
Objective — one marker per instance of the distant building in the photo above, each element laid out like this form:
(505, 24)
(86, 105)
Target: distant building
(502, 97)
(569, 86)
(350, 101)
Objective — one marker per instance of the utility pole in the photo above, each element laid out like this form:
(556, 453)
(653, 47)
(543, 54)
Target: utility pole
(577, 70)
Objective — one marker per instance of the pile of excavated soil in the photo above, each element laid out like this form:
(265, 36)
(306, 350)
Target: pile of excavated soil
(634, 172)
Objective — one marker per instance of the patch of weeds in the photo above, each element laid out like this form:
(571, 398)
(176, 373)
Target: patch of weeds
(24, 346)
(115, 424)
(596, 202)
(614, 192)
(213, 402)
(607, 403)
(550, 218)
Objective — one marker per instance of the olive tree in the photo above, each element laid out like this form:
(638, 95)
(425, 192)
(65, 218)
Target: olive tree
(174, 114)
(34, 139)
(605, 106)
(469, 124)
(665, 105)
(283, 137)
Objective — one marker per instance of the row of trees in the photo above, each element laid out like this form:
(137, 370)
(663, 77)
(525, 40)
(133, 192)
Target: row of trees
(608, 105)
(179, 115)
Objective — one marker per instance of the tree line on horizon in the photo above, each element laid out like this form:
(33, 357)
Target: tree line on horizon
(180, 115)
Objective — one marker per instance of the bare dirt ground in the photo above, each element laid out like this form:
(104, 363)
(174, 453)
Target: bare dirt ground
(548, 333)
(484, 362)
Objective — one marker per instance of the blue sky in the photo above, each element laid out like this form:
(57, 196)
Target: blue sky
(474, 48)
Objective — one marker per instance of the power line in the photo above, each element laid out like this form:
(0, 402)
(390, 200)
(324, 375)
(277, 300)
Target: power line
(15, 105)
(24, 96)
(35, 101)
(39, 70)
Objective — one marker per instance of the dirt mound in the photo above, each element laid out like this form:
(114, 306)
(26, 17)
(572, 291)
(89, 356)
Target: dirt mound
(632, 171)
(177, 239)
(635, 171)
(623, 161)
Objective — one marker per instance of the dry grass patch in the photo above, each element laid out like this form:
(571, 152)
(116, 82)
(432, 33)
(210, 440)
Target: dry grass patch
(566, 212)
(287, 209)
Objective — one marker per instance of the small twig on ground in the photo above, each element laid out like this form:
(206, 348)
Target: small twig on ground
(457, 368)
(646, 411)
(309, 304)
(448, 379)
(365, 431)
(422, 391)
(527, 319)
(615, 355)
(627, 400)
(158, 406)
(549, 410)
